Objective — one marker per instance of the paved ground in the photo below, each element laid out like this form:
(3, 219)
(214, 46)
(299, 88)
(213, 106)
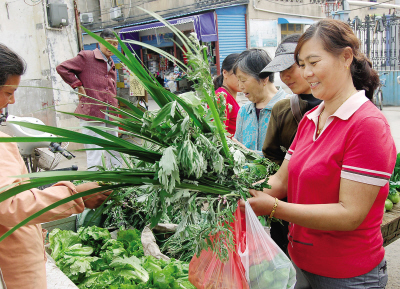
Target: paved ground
(392, 251)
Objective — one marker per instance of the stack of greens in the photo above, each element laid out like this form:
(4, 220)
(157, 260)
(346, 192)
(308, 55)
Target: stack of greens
(394, 187)
(187, 162)
(91, 259)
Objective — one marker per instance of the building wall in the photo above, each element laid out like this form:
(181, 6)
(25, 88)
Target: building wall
(129, 9)
(269, 12)
(278, 8)
(24, 30)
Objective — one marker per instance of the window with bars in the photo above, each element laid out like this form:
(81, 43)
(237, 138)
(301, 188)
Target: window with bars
(290, 28)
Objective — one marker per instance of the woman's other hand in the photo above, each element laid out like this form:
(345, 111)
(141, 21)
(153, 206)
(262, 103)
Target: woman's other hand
(261, 203)
(92, 201)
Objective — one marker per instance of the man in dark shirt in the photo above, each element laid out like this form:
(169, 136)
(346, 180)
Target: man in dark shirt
(285, 116)
(287, 113)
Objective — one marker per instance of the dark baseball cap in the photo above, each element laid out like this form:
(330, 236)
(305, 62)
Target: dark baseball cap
(284, 59)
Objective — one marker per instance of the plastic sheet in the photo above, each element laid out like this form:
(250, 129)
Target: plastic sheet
(266, 266)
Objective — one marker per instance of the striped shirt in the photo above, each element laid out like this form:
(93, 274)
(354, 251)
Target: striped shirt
(355, 144)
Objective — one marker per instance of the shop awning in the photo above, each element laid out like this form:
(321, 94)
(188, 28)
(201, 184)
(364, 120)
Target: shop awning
(295, 21)
(204, 25)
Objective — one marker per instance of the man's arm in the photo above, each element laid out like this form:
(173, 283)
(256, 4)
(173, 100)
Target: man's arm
(69, 69)
(272, 145)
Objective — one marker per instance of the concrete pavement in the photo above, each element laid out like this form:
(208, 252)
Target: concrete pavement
(392, 255)
(392, 114)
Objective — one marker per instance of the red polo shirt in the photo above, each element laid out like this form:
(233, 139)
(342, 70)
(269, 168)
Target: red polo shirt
(355, 144)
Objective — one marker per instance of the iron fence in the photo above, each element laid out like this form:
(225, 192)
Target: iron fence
(380, 37)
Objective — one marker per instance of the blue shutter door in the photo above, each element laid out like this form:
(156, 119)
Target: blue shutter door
(92, 46)
(231, 31)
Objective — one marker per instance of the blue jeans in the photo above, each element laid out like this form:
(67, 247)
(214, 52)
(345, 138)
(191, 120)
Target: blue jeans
(375, 279)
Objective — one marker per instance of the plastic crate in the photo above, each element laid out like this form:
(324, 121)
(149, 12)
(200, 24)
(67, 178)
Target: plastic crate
(68, 223)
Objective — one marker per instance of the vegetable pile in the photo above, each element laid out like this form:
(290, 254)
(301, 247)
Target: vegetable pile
(92, 259)
(394, 187)
(274, 277)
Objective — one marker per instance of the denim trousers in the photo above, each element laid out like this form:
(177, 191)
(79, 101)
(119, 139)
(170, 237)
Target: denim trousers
(375, 279)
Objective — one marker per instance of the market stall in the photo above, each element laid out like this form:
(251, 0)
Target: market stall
(157, 35)
(391, 225)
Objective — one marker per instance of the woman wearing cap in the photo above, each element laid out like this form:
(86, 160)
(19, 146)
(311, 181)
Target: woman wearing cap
(253, 117)
(226, 84)
(283, 123)
(287, 113)
(335, 174)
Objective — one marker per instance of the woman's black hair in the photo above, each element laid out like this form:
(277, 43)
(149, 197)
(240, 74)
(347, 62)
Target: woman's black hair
(252, 61)
(227, 65)
(108, 33)
(335, 36)
(10, 64)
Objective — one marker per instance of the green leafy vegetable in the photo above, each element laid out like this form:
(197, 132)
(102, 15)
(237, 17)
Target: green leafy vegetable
(94, 237)
(60, 241)
(131, 267)
(131, 240)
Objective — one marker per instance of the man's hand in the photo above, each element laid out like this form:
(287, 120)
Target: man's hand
(82, 91)
(92, 201)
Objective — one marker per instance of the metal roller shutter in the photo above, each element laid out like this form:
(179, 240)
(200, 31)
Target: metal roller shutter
(92, 46)
(231, 31)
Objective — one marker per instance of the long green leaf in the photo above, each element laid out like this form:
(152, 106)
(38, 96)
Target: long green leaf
(159, 51)
(78, 137)
(164, 114)
(55, 205)
(131, 106)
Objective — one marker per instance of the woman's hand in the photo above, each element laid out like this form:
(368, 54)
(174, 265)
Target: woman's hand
(240, 144)
(261, 203)
(92, 201)
(259, 182)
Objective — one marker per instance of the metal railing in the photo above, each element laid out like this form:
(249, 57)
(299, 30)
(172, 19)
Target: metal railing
(380, 40)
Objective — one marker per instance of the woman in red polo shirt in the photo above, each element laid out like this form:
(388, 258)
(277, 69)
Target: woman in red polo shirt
(227, 84)
(335, 174)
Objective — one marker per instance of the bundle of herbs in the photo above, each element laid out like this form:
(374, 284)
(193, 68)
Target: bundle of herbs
(189, 165)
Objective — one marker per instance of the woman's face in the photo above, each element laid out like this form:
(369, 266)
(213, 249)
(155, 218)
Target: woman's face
(325, 72)
(7, 91)
(293, 78)
(251, 87)
(231, 80)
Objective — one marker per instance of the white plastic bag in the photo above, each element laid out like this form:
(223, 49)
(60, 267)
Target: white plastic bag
(266, 266)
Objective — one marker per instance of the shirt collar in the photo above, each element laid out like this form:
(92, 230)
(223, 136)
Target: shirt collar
(346, 110)
(100, 55)
(104, 57)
